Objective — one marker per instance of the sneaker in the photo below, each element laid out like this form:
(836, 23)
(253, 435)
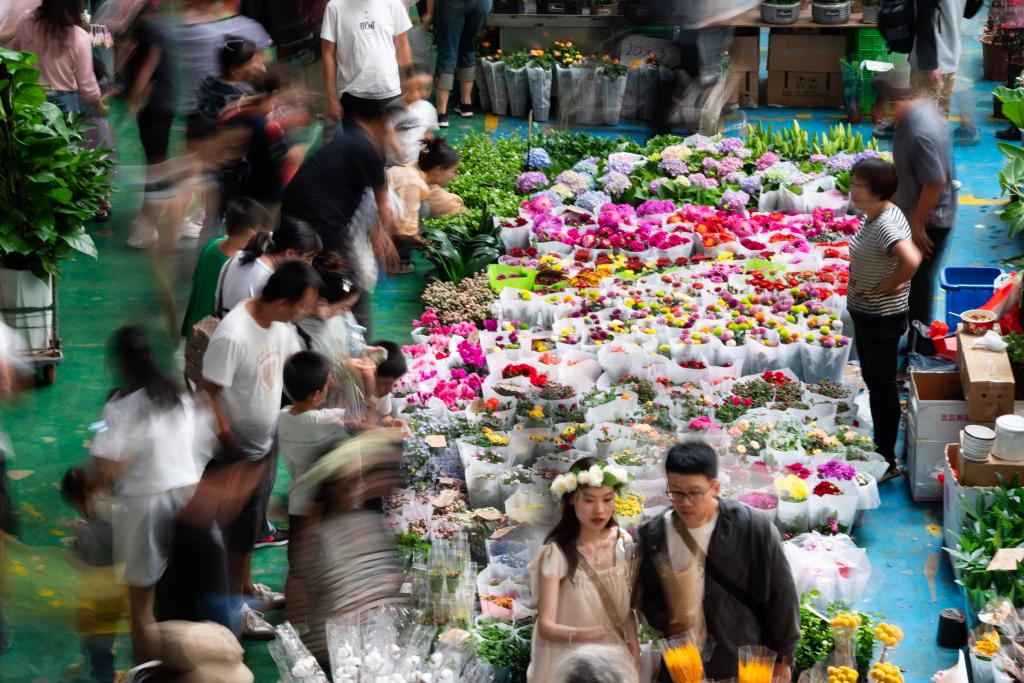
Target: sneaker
(1012, 133)
(956, 184)
(190, 229)
(279, 537)
(442, 120)
(255, 627)
(266, 599)
(144, 235)
(464, 110)
(966, 137)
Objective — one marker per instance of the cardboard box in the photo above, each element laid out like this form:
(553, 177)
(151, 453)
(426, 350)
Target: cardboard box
(936, 409)
(808, 89)
(745, 54)
(924, 462)
(954, 497)
(987, 379)
(805, 53)
(743, 88)
(986, 474)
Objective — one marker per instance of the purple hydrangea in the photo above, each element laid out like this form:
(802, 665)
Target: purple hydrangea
(586, 167)
(734, 178)
(619, 166)
(577, 182)
(801, 179)
(674, 167)
(866, 154)
(730, 164)
(702, 181)
(751, 185)
(538, 157)
(765, 160)
(728, 145)
(707, 147)
(710, 165)
(592, 200)
(734, 200)
(841, 162)
(530, 181)
(615, 183)
(743, 153)
(656, 183)
(818, 159)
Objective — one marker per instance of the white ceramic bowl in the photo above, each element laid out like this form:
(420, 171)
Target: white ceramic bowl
(1009, 443)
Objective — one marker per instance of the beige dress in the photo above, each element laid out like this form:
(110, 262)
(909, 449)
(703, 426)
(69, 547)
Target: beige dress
(579, 603)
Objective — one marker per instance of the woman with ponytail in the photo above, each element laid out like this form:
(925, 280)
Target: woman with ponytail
(421, 189)
(245, 274)
(144, 451)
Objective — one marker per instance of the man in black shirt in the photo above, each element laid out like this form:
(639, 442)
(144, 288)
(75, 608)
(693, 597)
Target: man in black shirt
(341, 191)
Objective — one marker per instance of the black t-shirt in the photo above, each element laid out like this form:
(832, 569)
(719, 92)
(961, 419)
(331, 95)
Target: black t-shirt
(149, 33)
(330, 184)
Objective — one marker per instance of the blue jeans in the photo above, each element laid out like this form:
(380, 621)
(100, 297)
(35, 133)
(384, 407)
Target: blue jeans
(101, 657)
(457, 23)
(67, 102)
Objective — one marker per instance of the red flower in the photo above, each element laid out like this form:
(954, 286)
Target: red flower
(826, 488)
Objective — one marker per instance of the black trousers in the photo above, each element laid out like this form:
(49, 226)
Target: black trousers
(878, 341)
(922, 285)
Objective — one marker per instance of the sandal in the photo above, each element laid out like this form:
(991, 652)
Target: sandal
(891, 473)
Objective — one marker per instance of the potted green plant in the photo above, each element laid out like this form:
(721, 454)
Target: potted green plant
(53, 184)
(830, 11)
(869, 15)
(780, 11)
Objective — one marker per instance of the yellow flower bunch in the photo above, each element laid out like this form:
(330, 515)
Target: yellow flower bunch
(846, 620)
(885, 672)
(792, 487)
(842, 674)
(988, 644)
(537, 412)
(551, 262)
(494, 438)
(630, 506)
(890, 635)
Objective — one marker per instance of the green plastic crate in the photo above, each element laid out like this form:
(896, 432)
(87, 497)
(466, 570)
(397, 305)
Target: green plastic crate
(863, 42)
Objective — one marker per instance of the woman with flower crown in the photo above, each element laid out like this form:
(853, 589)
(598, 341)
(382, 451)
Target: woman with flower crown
(584, 573)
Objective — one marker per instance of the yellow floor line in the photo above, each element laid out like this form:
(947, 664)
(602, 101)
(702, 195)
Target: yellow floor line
(969, 200)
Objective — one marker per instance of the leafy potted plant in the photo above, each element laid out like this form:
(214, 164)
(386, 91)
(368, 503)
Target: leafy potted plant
(830, 11)
(53, 184)
(780, 11)
(869, 15)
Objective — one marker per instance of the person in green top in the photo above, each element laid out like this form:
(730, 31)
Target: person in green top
(243, 218)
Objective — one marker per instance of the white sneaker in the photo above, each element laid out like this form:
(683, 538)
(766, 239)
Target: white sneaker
(190, 228)
(144, 235)
(267, 599)
(956, 185)
(255, 627)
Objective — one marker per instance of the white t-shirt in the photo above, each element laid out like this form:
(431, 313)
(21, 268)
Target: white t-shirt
(240, 281)
(411, 126)
(247, 362)
(302, 440)
(156, 445)
(678, 553)
(387, 406)
(363, 32)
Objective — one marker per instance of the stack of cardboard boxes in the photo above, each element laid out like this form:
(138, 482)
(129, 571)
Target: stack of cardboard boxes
(804, 69)
(744, 71)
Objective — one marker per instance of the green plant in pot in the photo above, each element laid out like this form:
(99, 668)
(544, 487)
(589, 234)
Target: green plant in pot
(830, 11)
(780, 11)
(52, 184)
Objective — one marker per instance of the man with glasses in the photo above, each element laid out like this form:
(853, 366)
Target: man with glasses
(715, 568)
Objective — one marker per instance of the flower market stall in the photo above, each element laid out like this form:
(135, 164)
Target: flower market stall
(685, 290)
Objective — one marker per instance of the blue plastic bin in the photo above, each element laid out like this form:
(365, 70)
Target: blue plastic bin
(967, 288)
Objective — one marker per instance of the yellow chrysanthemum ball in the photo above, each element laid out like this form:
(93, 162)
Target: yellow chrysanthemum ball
(890, 635)
(846, 620)
(886, 673)
(842, 674)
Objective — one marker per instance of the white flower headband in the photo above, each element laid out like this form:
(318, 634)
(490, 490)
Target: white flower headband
(601, 474)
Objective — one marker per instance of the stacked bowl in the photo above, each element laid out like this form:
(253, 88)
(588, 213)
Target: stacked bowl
(977, 442)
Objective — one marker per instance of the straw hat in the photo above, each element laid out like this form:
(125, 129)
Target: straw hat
(202, 653)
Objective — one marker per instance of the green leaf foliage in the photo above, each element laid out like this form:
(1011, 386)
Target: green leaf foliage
(52, 183)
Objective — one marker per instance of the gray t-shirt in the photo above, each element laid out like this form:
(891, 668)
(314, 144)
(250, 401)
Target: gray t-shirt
(923, 153)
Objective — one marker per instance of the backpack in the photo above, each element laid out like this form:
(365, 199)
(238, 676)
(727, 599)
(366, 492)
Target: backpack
(897, 23)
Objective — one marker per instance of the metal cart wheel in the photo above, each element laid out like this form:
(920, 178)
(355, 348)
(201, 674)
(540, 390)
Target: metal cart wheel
(48, 374)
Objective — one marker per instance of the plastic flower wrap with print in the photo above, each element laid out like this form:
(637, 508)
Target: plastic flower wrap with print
(598, 475)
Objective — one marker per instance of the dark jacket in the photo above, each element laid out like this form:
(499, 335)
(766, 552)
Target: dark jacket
(747, 549)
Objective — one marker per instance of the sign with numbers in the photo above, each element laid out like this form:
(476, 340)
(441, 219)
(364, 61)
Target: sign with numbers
(637, 47)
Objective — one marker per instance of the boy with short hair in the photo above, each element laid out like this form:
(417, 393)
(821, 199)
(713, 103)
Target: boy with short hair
(243, 218)
(305, 432)
(389, 371)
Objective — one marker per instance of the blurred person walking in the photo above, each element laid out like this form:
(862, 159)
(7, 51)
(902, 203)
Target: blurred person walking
(145, 450)
(54, 32)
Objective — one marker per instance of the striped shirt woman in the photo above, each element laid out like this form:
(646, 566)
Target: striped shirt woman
(872, 262)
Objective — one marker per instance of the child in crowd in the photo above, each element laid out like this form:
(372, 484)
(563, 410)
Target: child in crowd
(306, 430)
(102, 600)
(243, 219)
(417, 122)
(240, 63)
(332, 330)
(386, 409)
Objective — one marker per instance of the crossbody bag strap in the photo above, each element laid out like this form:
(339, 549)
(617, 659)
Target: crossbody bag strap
(218, 304)
(730, 586)
(606, 597)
